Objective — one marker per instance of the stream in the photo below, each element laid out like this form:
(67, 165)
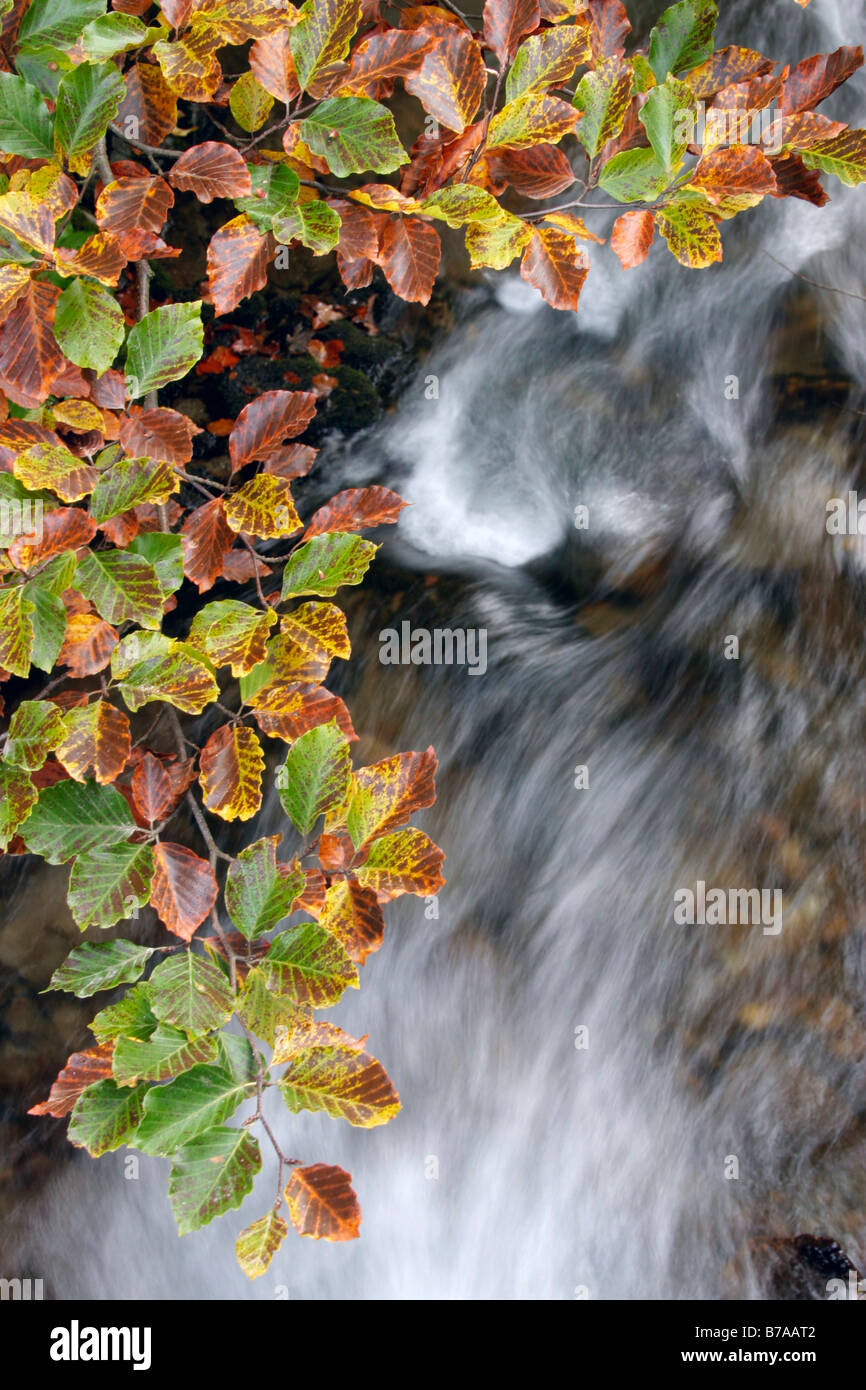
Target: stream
(577, 1069)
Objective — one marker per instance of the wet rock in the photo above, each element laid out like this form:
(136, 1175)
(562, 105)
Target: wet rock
(796, 1270)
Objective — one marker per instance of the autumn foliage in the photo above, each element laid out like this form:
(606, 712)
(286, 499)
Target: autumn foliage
(121, 562)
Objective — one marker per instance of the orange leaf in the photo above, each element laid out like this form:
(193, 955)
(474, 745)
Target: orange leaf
(272, 65)
(302, 710)
(554, 265)
(29, 356)
(354, 916)
(207, 539)
(811, 81)
(80, 1071)
(387, 793)
(88, 644)
(263, 426)
(506, 22)
(729, 172)
(409, 255)
(610, 24)
(130, 206)
(384, 55)
(158, 433)
(539, 172)
(231, 765)
(632, 237)
(100, 256)
(355, 510)
(97, 740)
(184, 889)
(322, 1203)
(405, 862)
(451, 79)
(151, 789)
(211, 170)
(65, 528)
(150, 102)
(237, 263)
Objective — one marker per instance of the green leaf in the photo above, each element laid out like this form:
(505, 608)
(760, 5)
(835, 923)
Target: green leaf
(166, 1053)
(110, 884)
(189, 992)
(165, 553)
(310, 965)
(132, 1016)
(35, 730)
(603, 96)
(668, 116)
(354, 134)
(249, 103)
(25, 125)
(194, 1102)
(236, 1056)
(57, 22)
(267, 1014)
(88, 98)
(463, 204)
(17, 797)
(16, 631)
(314, 224)
(73, 817)
(691, 232)
(315, 776)
(105, 1117)
(123, 587)
(683, 37)
(257, 1244)
(212, 1174)
(547, 60)
(844, 156)
(89, 325)
(275, 191)
(151, 666)
(92, 967)
(163, 347)
(43, 67)
(49, 625)
(323, 36)
(322, 565)
(56, 576)
(116, 33)
(257, 894)
(126, 483)
(634, 176)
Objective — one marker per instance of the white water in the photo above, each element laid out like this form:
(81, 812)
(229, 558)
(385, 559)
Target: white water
(560, 1168)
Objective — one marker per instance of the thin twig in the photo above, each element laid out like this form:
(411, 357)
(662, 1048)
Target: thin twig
(832, 289)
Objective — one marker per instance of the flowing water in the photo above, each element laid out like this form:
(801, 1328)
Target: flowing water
(523, 1164)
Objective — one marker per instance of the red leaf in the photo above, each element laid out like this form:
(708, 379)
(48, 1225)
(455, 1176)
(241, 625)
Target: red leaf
(207, 539)
(272, 65)
(158, 433)
(739, 169)
(506, 22)
(355, 510)
(632, 237)
(451, 80)
(211, 170)
(80, 1071)
(295, 461)
(184, 889)
(87, 646)
(133, 206)
(306, 710)
(811, 81)
(409, 255)
(553, 264)
(237, 263)
(29, 356)
(266, 423)
(151, 789)
(794, 180)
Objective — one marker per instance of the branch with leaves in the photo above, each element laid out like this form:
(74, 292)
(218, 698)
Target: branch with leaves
(110, 535)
